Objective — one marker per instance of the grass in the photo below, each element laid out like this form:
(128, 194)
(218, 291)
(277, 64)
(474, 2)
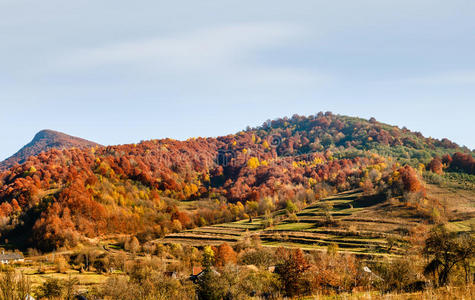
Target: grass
(454, 180)
(306, 232)
(294, 226)
(445, 293)
(357, 224)
(462, 226)
(85, 279)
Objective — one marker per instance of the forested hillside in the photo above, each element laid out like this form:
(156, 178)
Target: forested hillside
(156, 187)
(43, 141)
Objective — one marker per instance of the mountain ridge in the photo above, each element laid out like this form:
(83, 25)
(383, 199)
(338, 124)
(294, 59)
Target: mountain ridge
(60, 197)
(45, 140)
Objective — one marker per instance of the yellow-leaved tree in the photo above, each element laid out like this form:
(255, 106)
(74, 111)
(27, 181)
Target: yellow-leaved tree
(253, 163)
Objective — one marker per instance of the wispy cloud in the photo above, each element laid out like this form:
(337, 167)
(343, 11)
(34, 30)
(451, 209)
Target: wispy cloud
(443, 78)
(201, 48)
(225, 53)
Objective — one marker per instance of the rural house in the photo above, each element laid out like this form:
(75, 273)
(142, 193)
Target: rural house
(6, 258)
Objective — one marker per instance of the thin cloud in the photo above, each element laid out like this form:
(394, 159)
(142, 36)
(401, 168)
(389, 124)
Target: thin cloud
(445, 78)
(204, 48)
(222, 56)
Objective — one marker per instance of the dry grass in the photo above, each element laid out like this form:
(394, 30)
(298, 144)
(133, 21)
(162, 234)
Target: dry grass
(86, 279)
(446, 293)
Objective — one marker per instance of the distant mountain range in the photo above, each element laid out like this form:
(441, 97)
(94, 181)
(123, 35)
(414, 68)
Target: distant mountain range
(43, 141)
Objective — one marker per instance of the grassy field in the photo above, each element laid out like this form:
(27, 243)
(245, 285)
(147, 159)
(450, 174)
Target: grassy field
(362, 225)
(36, 277)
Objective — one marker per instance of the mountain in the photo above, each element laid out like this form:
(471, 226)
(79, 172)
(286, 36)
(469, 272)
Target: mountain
(62, 197)
(43, 141)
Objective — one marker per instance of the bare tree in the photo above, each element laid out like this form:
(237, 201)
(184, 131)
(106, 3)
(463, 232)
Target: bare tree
(13, 285)
(445, 250)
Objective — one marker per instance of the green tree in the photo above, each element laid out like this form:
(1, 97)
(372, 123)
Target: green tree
(209, 286)
(290, 206)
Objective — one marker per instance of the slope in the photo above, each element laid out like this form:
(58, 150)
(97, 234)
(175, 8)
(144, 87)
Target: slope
(156, 187)
(43, 141)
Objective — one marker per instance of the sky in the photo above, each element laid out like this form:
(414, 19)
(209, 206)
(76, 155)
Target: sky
(118, 72)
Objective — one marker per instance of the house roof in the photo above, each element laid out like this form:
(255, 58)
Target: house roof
(196, 270)
(11, 256)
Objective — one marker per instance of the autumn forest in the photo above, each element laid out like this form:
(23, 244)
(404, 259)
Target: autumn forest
(64, 198)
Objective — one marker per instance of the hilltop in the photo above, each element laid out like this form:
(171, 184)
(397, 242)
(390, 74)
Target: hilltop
(154, 188)
(43, 141)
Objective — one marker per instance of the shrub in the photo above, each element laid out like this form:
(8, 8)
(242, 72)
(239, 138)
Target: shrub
(258, 257)
(61, 264)
(52, 288)
(399, 275)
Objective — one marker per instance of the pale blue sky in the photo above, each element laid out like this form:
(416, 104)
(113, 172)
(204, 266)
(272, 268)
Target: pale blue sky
(122, 71)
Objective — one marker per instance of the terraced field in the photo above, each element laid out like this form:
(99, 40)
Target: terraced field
(357, 224)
